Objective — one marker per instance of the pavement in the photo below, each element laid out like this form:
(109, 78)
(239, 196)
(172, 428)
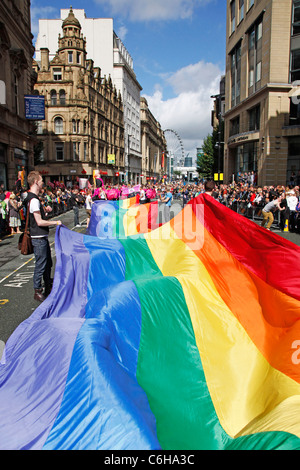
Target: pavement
(16, 273)
(16, 278)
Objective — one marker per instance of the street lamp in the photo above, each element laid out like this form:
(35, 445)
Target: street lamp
(128, 157)
(219, 114)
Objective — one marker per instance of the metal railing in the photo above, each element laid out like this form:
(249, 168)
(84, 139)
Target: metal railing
(253, 212)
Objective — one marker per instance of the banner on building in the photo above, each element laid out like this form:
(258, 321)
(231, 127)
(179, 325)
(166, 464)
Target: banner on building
(34, 107)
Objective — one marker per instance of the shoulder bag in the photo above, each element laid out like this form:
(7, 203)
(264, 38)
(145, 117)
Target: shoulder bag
(25, 244)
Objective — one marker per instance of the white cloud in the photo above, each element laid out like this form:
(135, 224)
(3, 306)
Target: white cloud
(145, 10)
(189, 112)
(38, 12)
(122, 32)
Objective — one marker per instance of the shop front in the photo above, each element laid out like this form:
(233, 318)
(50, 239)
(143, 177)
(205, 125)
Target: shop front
(3, 167)
(243, 154)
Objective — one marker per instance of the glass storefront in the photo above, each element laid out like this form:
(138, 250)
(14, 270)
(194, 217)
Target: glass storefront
(293, 162)
(246, 157)
(3, 168)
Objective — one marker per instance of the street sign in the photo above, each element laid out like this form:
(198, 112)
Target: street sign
(111, 158)
(34, 107)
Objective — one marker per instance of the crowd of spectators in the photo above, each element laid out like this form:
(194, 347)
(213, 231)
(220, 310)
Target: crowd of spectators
(13, 213)
(250, 200)
(244, 197)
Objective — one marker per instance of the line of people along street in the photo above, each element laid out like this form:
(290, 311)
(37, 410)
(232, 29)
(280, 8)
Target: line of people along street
(50, 201)
(242, 197)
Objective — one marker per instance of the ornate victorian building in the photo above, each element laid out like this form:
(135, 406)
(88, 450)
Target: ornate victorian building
(154, 146)
(83, 128)
(262, 112)
(16, 81)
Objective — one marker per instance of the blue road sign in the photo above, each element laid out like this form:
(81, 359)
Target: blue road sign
(34, 107)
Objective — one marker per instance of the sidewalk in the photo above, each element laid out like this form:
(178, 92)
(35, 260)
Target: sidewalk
(9, 243)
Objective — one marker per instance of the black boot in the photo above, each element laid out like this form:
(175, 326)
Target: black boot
(48, 288)
(38, 295)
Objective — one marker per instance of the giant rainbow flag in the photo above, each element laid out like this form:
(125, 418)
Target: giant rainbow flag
(123, 217)
(184, 337)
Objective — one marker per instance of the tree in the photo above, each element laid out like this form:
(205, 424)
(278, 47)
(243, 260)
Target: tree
(205, 159)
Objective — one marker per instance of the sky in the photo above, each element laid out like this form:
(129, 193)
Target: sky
(178, 52)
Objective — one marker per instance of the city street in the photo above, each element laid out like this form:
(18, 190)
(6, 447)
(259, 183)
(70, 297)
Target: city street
(16, 278)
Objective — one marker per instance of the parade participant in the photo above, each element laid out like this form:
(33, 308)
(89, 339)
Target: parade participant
(75, 202)
(88, 206)
(39, 230)
(168, 201)
(185, 197)
(143, 198)
(98, 190)
(209, 186)
(267, 212)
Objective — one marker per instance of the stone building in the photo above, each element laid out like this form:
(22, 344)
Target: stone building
(154, 146)
(16, 81)
(262, 113)
(108, 52)
(83, 128)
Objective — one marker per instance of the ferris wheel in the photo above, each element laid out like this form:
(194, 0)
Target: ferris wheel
(174, 147)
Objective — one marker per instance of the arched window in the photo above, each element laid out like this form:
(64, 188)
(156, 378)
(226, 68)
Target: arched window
(2, 92)
(58, 125)
(53, 97)
(62, 97)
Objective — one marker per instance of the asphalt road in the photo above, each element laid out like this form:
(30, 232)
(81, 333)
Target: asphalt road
(16, 274)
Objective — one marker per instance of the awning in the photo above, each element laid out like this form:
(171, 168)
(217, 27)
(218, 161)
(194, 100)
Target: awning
(295, 93)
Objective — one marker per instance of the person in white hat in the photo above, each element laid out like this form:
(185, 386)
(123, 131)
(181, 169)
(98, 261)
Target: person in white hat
(292, 202)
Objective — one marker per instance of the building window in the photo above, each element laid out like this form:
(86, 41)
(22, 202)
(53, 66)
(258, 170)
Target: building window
(295, 65)
(241, 10)
(236, 76)
(70, 57)
(251, 3)
(58, 125)
(2, 92)
(16, 94)
(294, 112)
(62, 97)
(293, 161)
(75, 126)
(232, 16)
(78, 58)
(57, 75)
(85, 151)
(246, 157)
(254, 118)
(234, 126)
(39, 127)
(84, 126)
(255, 58)
(59, 150)
(53, 98)
(296, 18)
(76, 151)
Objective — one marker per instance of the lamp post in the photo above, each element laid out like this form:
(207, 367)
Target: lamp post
(219, 114)
(128, 156)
